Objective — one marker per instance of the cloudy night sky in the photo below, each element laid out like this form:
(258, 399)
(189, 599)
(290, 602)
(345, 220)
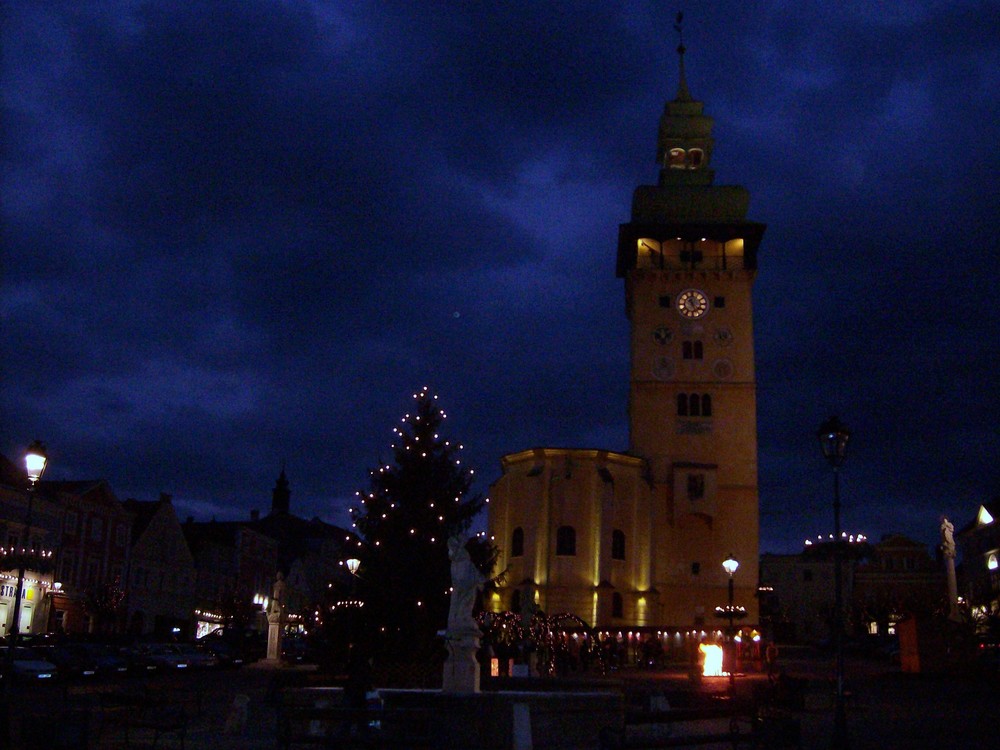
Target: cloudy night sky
(238, 235)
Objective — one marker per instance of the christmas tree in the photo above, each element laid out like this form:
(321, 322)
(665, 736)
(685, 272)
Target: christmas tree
(405, 518)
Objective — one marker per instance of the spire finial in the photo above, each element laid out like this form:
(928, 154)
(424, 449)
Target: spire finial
(683, 95)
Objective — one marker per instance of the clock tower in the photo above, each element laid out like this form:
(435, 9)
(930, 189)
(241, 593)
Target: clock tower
(688, 258)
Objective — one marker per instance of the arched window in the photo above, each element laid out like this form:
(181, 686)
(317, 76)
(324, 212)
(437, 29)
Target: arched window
(692, 350)
(617, 605)
(617, 544)
(517, 542)
(694, 405)
(566, 540)
(677, 158)
(695, 158)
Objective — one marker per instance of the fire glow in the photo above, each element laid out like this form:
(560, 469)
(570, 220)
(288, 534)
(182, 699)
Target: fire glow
(713, 660)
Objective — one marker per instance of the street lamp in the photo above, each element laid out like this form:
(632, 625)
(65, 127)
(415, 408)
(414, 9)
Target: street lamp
(730, 565)
(34, 462)
(833, 437)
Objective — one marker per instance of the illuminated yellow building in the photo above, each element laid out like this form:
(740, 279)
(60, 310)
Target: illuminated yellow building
(638, 538)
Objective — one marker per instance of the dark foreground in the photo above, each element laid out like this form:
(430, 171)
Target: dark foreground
(887, 710)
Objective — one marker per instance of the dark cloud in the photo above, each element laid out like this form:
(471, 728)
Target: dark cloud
(238, 234)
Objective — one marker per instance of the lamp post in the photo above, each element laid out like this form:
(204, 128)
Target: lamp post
(833, 437)
(730, 565)
(35, 460)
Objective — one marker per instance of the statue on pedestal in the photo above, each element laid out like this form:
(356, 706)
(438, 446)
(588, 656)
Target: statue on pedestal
(461, 670)
(275, 618)
(948, 550)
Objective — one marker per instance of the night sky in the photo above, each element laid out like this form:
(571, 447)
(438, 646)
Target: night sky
(239, 235)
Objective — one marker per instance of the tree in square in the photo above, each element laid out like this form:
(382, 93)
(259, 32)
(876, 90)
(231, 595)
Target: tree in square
(405, 518)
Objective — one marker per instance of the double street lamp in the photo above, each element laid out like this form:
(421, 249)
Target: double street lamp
(833, 437)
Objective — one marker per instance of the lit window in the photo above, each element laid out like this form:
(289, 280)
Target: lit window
(991, 563)
(677, 158)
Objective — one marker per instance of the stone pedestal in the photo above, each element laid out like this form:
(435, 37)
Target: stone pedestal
(461, 668)
(274, 634)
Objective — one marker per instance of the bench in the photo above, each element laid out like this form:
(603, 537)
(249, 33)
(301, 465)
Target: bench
(326, 722)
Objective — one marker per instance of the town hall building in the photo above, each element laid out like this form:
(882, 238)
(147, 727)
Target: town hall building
(638, 538)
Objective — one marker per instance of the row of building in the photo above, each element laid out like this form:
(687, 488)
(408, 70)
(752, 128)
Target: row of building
(97, 564)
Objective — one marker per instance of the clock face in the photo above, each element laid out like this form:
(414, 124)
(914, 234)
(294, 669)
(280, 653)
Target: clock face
(692, 303)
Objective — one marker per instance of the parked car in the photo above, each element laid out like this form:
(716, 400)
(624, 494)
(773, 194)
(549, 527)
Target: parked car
(195, 657)
(72, 659)
(225, 652)
(151, 657)
(110, 660)
(28, 665)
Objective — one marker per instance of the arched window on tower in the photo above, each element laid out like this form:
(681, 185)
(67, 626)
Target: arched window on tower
(692, 350)
(517, 542)
(617, 544)
(566, 541)
(694, 405)
(617, 605)
(678, 159)
(696, 157)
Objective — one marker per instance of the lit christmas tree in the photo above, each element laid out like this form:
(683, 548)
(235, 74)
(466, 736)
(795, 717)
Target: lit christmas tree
(405, 518)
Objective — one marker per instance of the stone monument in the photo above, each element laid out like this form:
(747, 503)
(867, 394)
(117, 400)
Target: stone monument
(948, 550)
(461, 669)
(276, 619)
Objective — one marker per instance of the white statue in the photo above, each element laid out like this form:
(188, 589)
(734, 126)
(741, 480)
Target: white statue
(466, 582)
(278, 594)
(947, 538)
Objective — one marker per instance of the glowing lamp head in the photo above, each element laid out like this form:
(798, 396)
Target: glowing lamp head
(833, 436)
(730, 565)
(353, 564)
(35, 460)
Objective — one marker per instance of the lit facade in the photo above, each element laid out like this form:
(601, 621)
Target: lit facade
(638, 538)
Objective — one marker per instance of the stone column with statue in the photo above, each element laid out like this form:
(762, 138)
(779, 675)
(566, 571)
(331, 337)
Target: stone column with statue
(276, 618)
(948, 551)
(461, 669)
